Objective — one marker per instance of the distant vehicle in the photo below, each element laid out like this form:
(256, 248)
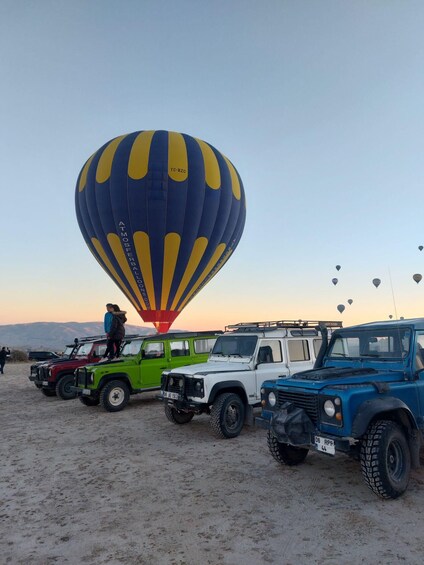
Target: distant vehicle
(42, 355)
(35, 368)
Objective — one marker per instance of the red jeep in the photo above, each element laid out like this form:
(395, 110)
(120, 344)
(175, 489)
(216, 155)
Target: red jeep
(55, 379)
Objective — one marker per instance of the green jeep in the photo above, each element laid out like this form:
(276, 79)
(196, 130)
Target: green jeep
(139, 367)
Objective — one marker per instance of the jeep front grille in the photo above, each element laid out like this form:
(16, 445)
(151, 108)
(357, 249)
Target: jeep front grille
(175, 383)
(43, 372)
(309, 402)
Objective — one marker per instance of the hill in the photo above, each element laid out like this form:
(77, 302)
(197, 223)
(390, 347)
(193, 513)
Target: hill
(53, 336)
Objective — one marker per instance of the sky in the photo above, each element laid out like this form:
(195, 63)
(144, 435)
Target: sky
(319, 105)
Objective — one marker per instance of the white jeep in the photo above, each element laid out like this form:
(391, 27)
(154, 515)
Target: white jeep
(228, 385)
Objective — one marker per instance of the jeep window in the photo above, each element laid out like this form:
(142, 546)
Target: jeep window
(131, 348)
(99, 350)
(372, 344)
(419, 353)
(237, 345)
(153, 350)
(68, 350)
(270, 351)
(317, 346)
(298, 350)
(84, 349)
(204, 345)
(179, 348)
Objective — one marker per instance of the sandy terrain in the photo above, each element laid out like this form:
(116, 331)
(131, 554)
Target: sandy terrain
(80, 485)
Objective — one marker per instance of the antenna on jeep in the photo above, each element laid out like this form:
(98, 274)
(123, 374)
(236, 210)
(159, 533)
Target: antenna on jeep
(393, 293)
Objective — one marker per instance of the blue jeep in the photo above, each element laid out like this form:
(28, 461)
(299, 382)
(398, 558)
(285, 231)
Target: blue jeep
(365, 397)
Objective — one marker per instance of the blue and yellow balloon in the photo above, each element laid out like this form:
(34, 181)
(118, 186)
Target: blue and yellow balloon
(161, 212)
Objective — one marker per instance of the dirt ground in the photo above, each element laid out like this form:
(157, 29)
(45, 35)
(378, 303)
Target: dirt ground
(80, 485)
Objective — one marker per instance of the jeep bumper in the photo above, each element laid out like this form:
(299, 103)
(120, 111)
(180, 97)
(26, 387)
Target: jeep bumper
(293, 426)
(82, 391)
(182, 404)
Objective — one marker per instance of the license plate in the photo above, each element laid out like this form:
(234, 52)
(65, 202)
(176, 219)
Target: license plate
(325, 445)
(45, 383)
(171, 395)
(86, 391)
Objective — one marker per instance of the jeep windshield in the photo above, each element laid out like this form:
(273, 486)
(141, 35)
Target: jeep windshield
(131, 348)
(235, 345)
(379, 344)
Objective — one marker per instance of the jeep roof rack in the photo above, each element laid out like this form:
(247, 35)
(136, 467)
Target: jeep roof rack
(277, 324)
(181, 335)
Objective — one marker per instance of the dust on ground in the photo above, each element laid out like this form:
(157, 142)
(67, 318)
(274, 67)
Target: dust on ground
(79, 485)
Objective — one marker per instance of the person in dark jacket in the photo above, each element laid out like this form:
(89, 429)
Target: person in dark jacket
(3, 354)
(107, 324)
(117, 331)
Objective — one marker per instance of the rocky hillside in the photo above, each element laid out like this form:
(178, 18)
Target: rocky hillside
(53, 336)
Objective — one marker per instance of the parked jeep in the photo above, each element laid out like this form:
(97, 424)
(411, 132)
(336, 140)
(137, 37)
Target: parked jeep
(228, 386)
(58, 377)
(365, 397)
(67, 354)
(139, 367)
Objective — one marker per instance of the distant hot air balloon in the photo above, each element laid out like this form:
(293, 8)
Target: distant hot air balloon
(420, 247)
(376, 282)
(334, 281)
(341, 308)
(417, 277)
(161, 212)
(338, 267)
(350, 301)
(390, 316)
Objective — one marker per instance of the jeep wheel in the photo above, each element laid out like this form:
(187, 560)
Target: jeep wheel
(48, 392)
(227, 415)
(38, 385)
(286, 454)
(114, 396)
(89, 400)
(385, 459)
(177, 417)
(63, 387)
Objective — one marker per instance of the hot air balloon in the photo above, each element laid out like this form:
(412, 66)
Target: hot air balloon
(341, 308)
(417, 277)
(376, 282)
(338, 267)
(390, 316)
(334, 281)
(420, 247)
(350, 301)
(161, 212)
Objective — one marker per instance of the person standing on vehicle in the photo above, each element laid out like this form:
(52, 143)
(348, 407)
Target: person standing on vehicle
(3, 354)
(117, 330)
(107, 324)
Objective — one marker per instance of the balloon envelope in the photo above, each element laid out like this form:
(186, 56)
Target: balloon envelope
(341, 308)
(376, 282)
(350, 301)
(334, 281)
(420, 247)
(338, 267)
(161, 212)
(390, 316)
(417, 277)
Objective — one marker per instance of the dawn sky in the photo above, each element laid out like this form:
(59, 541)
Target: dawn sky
(319, 105)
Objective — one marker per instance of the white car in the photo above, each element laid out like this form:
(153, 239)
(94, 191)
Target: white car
(228, 386)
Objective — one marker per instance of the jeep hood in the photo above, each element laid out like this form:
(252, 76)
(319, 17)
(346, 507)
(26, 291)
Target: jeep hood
(341, 377)
(212, 367)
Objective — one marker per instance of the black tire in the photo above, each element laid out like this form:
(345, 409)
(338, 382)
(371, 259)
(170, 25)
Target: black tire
(177, 417)
(89, 400)
(63, 387)
(385, 459)
(286, 454)
(37, 385)
(227, 415)
(114, 396)
(48, 392)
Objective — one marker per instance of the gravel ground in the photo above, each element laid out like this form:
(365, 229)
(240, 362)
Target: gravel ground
(82, 486)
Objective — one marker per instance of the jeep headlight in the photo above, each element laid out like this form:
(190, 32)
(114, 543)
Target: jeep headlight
(198, 388)
(331, 410)
(50, 373)
(272, 399)
(90, 378)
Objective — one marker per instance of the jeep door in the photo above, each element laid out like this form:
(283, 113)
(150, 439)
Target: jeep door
(180, 353)
(418, 367)
(153, 362)
(270, 362)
